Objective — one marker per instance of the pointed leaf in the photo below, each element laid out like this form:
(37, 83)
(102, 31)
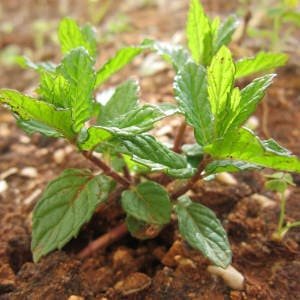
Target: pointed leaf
(243, 145)
(28, 108)
(123, 57)
(200, 227)
(190, 87)
(68, 202)
(148, 202)
(263, 61)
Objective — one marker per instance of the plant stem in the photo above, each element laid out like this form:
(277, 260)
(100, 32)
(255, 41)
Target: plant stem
(293, 224)
(192, 181)
(179, 137)
(104, 241)
(282, 214)
(106, 169)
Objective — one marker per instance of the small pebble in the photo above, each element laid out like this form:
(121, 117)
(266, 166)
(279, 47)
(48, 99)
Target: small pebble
(74, 297)
(9, 172)
(226, 178)
(3, 186)
(59, 156)
(29, 172)
(263, 201)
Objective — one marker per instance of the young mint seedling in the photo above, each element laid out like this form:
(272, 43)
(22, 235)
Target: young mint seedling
(279, 182)
(207, 97)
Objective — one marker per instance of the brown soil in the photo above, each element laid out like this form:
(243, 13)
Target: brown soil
(165, 267)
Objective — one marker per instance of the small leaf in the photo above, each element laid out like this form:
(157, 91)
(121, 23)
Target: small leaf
(25, 62)
(174, 54)
(68, 202)
(263, 61)
(279, 182)
(243, 145)
(148, 202)
(228, 165)
(71, 36)
(190, 87)
(28, 108)
(123, 57)
(77, 69)
(124, 99)
(200, 227)
(224, 33)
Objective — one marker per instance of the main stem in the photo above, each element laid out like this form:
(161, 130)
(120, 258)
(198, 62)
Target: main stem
(106, 169)
(179, 137)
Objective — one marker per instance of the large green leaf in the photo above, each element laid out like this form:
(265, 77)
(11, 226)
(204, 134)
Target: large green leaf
(28, 108)
(263, 61)
(243, 145)
(200, 227)
(68, 202)
(174, 54)
(224, 33)
(77, 69)
(198, 32)
(190, 87)
(71, 36)
(124, 100)
(148, 202)
(123, 57)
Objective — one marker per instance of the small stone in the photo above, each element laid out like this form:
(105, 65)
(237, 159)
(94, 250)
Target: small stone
(175, 250)
(263, 201)
(121, 257)
(226, 178)
(74, 297)
(184, 262)
(231, 276)
(252, 123)
(29, 172)
(9, 172)
(59, 156)
(3, 186)
(132, 284)
(24, 139)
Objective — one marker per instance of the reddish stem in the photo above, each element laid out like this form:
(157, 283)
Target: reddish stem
(104, 241)
(179, 137)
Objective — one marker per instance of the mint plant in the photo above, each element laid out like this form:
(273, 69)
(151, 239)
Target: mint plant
(206, 96)
(279, 182)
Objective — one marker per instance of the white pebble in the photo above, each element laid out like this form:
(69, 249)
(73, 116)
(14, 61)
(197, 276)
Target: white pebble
(3, 186)
(263, 201)
(9, 172)
(59, 156)
(29, 172)
(226, 178)
(231, 276)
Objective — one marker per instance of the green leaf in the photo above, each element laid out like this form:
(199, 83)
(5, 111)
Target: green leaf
(243, 104)
(124, 100)
(292, 17)
(263, 61)
(148, 202)
(200, 227)
(123, 57)
(228, 165)
(279, 182)
(77, 69)
(174, 54)
(190, 87)
(243, 145)
(136, 227)
(220, 79)
(32, 126)
(71, 36)
(198, 32)
(28, 108)
(25, 62)
(68, 202)
(224, 33)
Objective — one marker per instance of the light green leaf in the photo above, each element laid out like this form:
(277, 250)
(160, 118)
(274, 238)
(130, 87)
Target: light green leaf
(28, 108)
(200, 227)
(123, 57)
(292, 17)
(68, 202)
(224, 33)
(25, 62)
(190, 87)
(228, 165)
(243, 145)
(148, 202)
(174, 54)
(71, 36)
(198, 32)
(124, 100)
(77, 69)
(263, 61)
(32, 126)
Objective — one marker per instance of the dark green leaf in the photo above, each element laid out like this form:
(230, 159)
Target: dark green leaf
(77, 69)
(262, 62)
(28, 108)
(243, 145)
(67, 203)
(123, 57)
(190, 87)
(71, 36)
(148, 202)
(200, 227)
